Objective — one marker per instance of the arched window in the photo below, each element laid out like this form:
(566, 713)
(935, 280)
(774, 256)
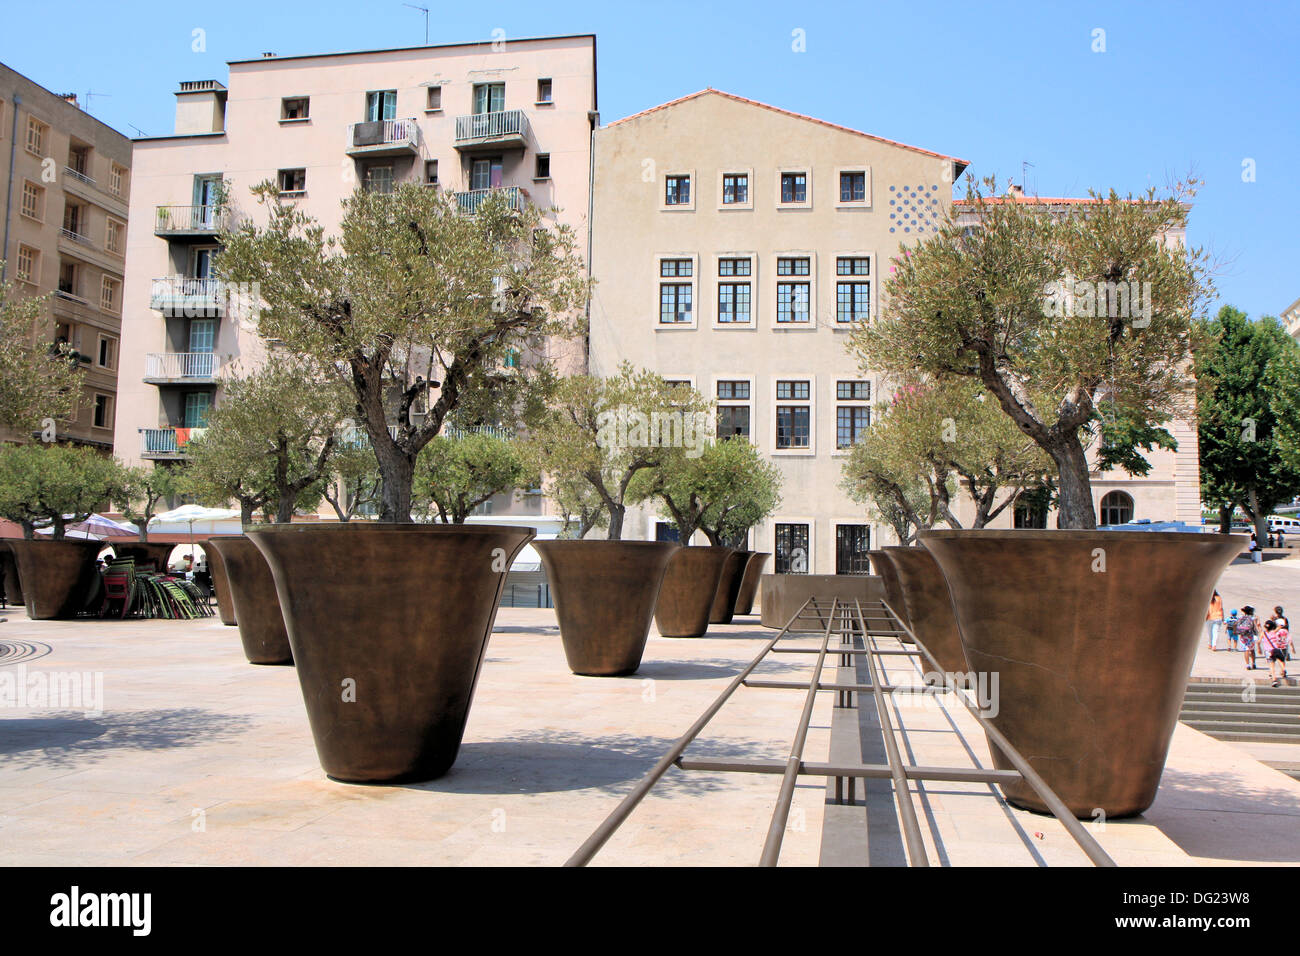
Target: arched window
(1116, 508)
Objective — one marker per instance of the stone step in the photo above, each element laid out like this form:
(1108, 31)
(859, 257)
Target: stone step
(1247, 719)
(1233, 730)
(1237, 705)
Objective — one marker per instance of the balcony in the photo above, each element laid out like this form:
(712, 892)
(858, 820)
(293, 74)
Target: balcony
(469, 202)
(181, 368)
(158, 443)
(187, 296)
(189, 222)
(394, 137)
(78, 175)
(507, 129)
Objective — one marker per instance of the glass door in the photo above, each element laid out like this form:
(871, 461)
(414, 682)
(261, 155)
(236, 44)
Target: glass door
(489, 97)
(196, 409)
(486, 173)
(381, 105)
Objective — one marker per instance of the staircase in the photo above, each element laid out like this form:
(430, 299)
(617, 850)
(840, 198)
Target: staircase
(1220, 711)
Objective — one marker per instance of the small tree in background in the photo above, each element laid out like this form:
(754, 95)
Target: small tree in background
(37, 381)
(988, 303)
(454, 475)
(580, 507)
(62, 484)
(144, 491)
(355, 484)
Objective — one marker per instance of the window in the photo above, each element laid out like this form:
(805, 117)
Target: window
(378, 179)
(733, 420)
(295, 108)
(794, 421)
(116, 179)
(487, 173)
(33, 201)
(852, 542)
(793, 390)
(107, 348)
(489, 97)
(29, 264)
(1116, 508)
(852, 298)
(794, 187)
(543, 167)
(675, 267)
(793, 299)
(103, 411)
(544, 90)
(113, 239)
(667, 532)
(853, 391)
(196, 409)
(381, 105)
(735, 188)
(791, 549)
(79, 160)
(853, 187)
(36, 131)
(433, 103)
(203, 333)
(1031, 511)
(293, 181)
(108, 288)
(851, 420)
(675, 298)
(431, 172)
(677, 190)
(74, 219)
(68, 279)
(734, 298)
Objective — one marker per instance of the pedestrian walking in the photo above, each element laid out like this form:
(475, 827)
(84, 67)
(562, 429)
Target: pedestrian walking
(1214, 620)
(1247, 630)
(1276, 643)
(1231, 627)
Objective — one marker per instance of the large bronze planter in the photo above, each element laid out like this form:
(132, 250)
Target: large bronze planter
(56, 575)
(220, 584)
(929, 607)
(605, 594)
(156, 552)
(749, 582)
(9, 569)
(1092, 635)
(256, 604)
(784, 594)
(888, 571)
(389, 625)
(690, 585)
(733, 574)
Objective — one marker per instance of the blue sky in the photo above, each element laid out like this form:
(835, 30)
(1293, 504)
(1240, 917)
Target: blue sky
(1182, 87)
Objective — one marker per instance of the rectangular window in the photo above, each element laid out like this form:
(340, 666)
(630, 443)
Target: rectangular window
(108, 293)
(431, 172)
(734, 390)
(791, 549)
(792, 267)
(735, 188)
(33, 201)
(792, 426)
(733, 302)
(116, 179)
(543, 167)
(852, 301)
(792, 302)
(113, 240)
(674, 303)
(381, 105)
(794, 187)
(103, 411)
(79, 160)
(74, 218)
(487, 173)
(68, 278)
(489, 97)
(295, 108)
(433, 102)
(853, 266)
(733, 421)
(794, 390)
(734, 267)
(293, 181)
(36, 131)
(853, 187)
(203, 334)
(852, 544)
(675, 267)
(196, 409)
(379, 179)
(106, 351)
(851, 423)
(28, 259)
(853, 391)
(544, 90)
(677, 190)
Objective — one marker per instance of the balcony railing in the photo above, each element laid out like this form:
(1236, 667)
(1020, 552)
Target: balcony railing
(502, 128)
(470, 201)
(384, 137)
(189, 220)
(78, 175)
(496, 431)
(180, 366)
(75, 237)
(166, 442)
(172, 292)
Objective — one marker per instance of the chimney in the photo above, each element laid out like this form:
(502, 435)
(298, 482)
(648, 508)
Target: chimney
(1016, 192)
(69, 98)
(200, 107)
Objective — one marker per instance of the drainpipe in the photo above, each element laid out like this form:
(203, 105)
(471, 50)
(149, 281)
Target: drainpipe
(9, 190)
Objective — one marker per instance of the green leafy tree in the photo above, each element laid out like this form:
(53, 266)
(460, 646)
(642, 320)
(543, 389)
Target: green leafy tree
(607, 431)
(1040, 310)
(38, 381)
(62, 484)
(355, 483)
(1249, 406)
(270, 442)
(413, 305)
(455, 475)
(580, 506)
(144, 493)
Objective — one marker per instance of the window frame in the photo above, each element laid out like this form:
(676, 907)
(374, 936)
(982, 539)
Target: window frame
(865, 201)
(809, 279)
(538, 176)
(810, 451)
(280, 180)
(718, 280)
(42, 130)
(748, 173)
(108, 410)
(549, 99)
(433, 98)
(689, 205)
(746, 403)
(39, 192)
(807, 173)
(117, 174)
(810, 534)
(306, 113)
(836, 524)
(660, 280)
(869, 280)
(34, 259)
(841, 403)
(100, 340)
(118, 248)
(114, 300)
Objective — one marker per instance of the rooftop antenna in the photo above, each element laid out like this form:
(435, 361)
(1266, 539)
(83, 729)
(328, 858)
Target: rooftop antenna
(425, 11)
(1024, 166)
(138, 130)
(91, 94)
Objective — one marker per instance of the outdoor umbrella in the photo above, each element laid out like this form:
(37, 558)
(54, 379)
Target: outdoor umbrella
(97, 527)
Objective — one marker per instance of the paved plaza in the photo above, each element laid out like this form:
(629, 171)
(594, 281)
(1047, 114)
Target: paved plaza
(201, 758)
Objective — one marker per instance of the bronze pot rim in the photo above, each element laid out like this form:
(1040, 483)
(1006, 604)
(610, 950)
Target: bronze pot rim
(397, 526)
(1076, 534)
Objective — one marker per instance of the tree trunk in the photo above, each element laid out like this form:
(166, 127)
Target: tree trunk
(616, 513)
(245, 513)
(284, 509)
(1225, 518)
(1259, 517)
(399, 474)
(1074, 496)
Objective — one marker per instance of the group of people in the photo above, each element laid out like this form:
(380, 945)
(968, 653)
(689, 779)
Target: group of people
(1251, 633)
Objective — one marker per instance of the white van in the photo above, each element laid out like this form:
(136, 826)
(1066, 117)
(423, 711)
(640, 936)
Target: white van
(1287, 525)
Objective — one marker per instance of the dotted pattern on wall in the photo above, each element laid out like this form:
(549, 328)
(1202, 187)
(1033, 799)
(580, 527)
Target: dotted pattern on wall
(914, 209)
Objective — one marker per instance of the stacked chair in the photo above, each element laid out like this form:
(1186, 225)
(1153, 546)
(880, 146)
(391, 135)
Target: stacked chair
(143, 592)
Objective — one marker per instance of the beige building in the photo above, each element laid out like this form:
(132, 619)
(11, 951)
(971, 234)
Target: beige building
(1291, 319)
(64, 213)
(473, 118)
(734, 244)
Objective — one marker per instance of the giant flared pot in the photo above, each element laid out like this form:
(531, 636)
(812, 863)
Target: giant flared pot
(55, 574)
(220, 584)
(9, 570)
(1092, 635)
(885, 567)
(690, 585)
(749, 582)
(605, 594)
(733, 575)
(929, 607)
(154, 551)
(389, 624)
(256, 604)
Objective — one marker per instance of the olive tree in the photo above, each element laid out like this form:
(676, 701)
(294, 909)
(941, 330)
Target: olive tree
(62, 484)
(143, 493)
(38, 381)
(456, 474)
